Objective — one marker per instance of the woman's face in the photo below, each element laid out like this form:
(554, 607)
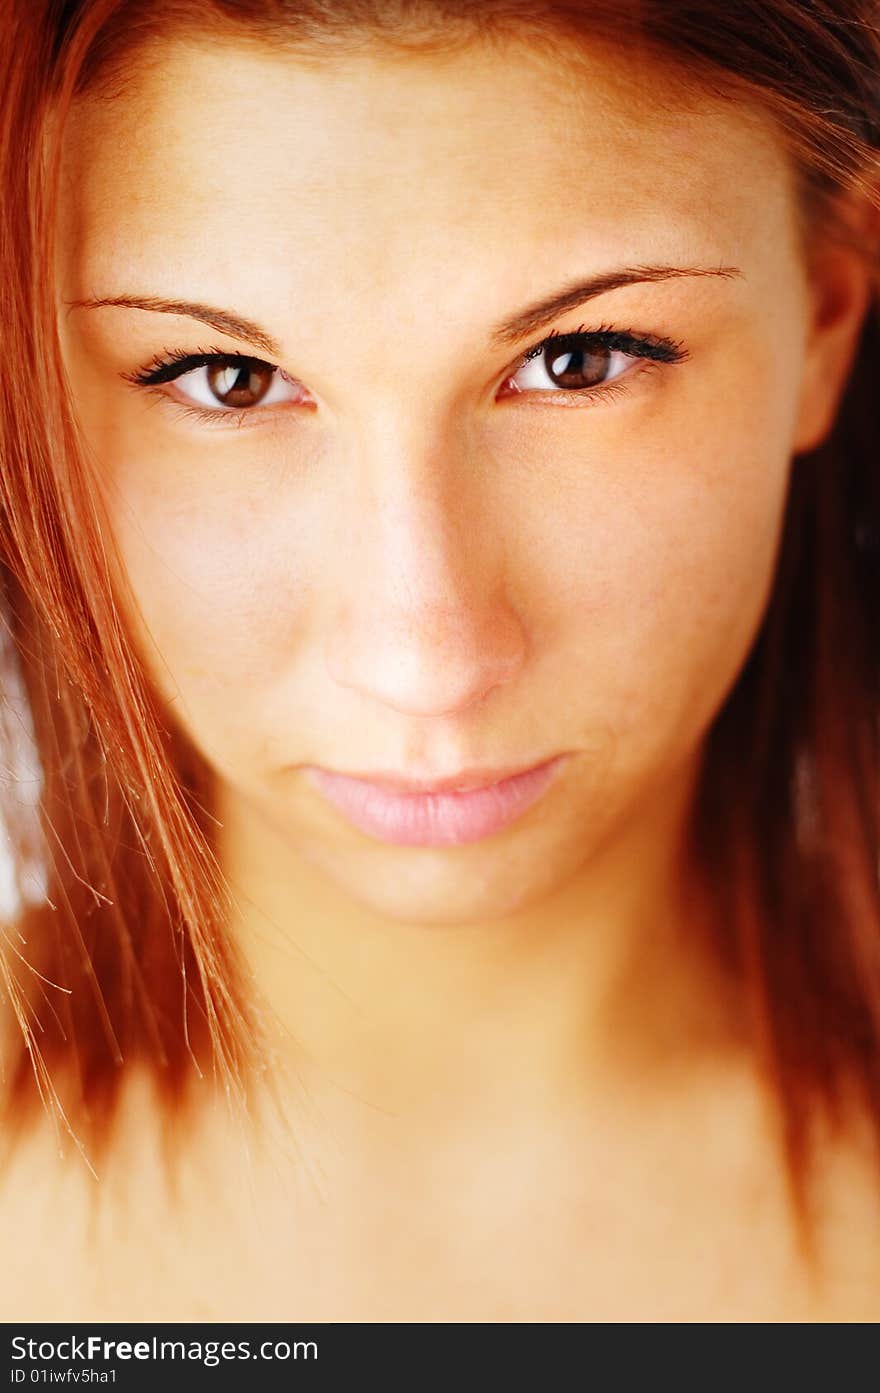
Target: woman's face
(411, 549)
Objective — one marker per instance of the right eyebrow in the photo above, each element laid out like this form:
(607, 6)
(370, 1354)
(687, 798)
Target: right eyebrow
(226, 321)
(536, 316)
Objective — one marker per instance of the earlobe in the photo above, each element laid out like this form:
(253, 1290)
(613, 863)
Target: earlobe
(842, 282)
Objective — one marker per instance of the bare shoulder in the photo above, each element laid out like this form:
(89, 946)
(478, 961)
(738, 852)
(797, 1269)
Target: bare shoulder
(46, 1188)
(847, 1221)
(717, 1174)
(91, 1236)
(838, 1278)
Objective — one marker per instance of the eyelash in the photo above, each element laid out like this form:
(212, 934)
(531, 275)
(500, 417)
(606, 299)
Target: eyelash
(655, 349)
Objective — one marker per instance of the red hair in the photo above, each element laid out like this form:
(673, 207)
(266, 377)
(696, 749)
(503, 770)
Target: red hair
(126, 958)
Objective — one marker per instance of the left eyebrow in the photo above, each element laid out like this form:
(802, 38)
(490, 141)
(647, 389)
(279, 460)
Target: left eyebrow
(543, 312)
(226, 321)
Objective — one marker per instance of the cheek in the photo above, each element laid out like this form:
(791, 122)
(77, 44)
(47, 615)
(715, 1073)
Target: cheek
(661, 568)
(220, 578)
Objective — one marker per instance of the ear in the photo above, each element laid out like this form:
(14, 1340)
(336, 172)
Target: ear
(842, 279)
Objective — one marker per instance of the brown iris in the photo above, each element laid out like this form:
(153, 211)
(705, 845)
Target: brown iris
(577, 367)
(239, 384)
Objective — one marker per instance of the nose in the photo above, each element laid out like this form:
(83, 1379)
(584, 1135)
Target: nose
(424, 623)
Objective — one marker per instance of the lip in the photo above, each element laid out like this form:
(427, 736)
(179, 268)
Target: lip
(466, 807)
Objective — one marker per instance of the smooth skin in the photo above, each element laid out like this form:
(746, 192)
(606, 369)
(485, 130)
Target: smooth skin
(513, 1088)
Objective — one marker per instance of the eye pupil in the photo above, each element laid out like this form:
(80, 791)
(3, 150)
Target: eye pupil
(239, 384)
(572, 368)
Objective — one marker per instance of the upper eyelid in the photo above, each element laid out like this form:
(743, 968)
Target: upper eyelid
(169, 359)
(620, 339)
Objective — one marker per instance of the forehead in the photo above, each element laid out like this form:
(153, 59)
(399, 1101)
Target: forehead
(225, 165)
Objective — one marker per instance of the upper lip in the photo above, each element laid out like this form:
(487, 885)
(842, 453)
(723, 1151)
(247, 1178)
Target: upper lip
(462, 782)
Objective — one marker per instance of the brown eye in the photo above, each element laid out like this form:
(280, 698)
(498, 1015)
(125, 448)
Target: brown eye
(578, 367)
(240, 384)
(574, 364)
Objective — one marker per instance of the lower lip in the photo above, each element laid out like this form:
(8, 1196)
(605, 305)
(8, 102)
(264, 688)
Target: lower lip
(434, 819)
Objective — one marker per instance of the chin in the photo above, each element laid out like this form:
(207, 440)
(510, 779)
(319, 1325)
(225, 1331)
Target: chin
(431, 887)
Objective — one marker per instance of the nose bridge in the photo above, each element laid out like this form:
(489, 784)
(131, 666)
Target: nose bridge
(424, 621)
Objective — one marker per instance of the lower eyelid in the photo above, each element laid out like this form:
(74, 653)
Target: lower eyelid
(581, 399)
(219, 419)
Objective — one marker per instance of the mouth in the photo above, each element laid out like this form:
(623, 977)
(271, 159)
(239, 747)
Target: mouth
(467, 807)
